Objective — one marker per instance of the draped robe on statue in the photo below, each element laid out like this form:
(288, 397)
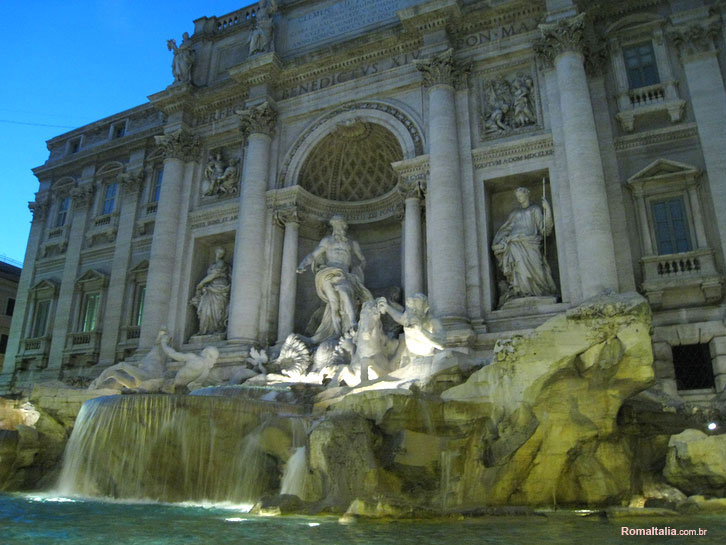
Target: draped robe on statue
(517, 247)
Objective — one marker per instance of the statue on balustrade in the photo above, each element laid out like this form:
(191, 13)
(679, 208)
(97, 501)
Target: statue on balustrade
(211, 298)
(261, 37)
(181, 66)
(517, 247)
(338, 282)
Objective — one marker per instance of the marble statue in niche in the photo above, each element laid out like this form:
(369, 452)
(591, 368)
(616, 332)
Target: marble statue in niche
(181, 66)
(518, 246)
(338, 281)
(508, 105)
(211, 297)
(262, 36)
(220, 177)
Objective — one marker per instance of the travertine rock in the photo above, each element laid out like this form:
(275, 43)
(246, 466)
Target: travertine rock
(696, 463)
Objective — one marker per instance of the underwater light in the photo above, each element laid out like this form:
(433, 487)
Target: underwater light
(235, 519)
(712, 426)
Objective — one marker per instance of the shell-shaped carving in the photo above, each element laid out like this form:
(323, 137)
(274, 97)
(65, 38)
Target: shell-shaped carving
(294, 358)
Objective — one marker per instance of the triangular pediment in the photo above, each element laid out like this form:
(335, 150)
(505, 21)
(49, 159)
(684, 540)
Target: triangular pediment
(44, 286)
(661, 169)
(91, 277)
(140, 267)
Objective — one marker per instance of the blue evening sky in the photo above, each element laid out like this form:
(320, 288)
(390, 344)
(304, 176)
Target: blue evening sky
(67, 63)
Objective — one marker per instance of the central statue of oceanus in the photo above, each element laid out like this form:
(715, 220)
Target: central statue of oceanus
(338, 281)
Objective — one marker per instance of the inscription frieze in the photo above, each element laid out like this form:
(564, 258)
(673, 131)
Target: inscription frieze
(342, 76)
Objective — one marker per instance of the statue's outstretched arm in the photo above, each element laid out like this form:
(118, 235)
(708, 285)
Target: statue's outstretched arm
(173, 354)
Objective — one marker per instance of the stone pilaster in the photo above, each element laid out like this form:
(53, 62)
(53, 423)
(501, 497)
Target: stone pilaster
(18, 326)
(130, 183)
(563, 44)
(413, 192)
(81, 199)
(257, 123)
(289, 220)
(696, 42)
(445, 222)
(178, 148)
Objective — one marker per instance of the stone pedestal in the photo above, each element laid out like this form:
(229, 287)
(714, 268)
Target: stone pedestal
(247, 271)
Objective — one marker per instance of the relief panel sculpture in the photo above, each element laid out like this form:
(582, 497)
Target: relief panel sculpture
(221, 176)
(507, 106)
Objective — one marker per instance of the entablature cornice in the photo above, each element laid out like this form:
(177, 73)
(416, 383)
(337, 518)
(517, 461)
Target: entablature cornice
(312, 208)
(101, 153)
(654, 137)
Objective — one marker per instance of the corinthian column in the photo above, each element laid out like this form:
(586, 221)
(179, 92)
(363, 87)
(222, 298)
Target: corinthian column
(178, 148)
(257, 123)
(288, 278)
(445, 221)
(412, 191)
(563, 45)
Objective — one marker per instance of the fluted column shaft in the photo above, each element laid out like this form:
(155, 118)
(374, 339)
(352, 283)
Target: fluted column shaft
(288, 278)
(248, 267)
(445, 225)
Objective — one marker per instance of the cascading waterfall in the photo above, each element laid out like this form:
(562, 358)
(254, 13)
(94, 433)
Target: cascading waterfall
(173, 448)
(293, 479)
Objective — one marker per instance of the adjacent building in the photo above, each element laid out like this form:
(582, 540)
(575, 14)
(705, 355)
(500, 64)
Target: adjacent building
(9, 277)
(415, 121)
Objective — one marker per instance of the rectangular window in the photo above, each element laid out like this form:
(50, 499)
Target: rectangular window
(40, 318)
(640, 65)
(3, 343)
(671, 227)
(156, 190)
(63, 206)
(693, 368)
(118, 131)
(10, 307)
(141, 294)
(74, 146)
(109, 198)
(90, 312)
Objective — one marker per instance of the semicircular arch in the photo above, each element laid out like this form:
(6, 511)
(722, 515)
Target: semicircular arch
(401, 125)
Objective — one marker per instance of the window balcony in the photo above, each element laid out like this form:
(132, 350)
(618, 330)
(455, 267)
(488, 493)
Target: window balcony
(682, 279)
(661, 97)
(35, 346)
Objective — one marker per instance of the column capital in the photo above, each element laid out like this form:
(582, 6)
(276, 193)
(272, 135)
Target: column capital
(287, 216)
(259, 119)
(442, 69)
(131, 181)
(39, 209)
(179, 145)
(566, 34)
(82, 195)
(695, 38)
(413, 187)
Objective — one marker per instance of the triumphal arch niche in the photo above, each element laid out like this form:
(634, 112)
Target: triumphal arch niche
(345, 164)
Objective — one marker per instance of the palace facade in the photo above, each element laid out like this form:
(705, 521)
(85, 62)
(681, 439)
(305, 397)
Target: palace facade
(415, 121)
